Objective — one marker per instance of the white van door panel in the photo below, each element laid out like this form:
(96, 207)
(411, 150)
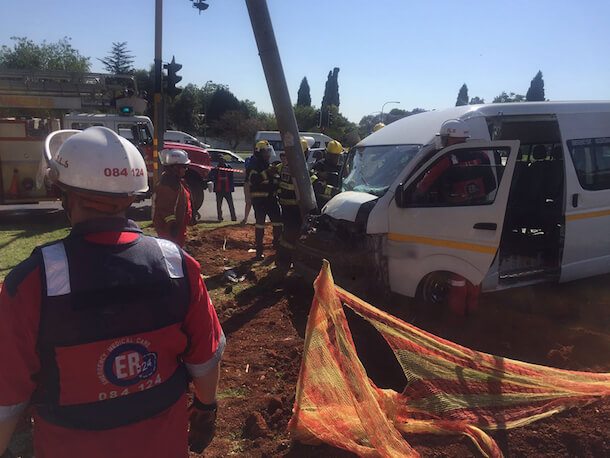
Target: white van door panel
(587, 216)
(455, 207)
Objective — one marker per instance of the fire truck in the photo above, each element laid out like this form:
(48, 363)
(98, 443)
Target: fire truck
(33, 104)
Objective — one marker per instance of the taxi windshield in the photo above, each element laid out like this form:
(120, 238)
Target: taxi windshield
(373, 169)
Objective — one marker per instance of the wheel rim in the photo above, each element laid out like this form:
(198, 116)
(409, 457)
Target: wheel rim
(436, 288)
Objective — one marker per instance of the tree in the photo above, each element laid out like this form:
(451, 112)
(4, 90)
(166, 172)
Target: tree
(184, 110)
(462, 98)
(306, 116)
(146, 87)
(476, 101)
(535, 93)
(220, 101)
(119, 60)
(304, 94)
(508, 98)
(27, 55)
(331, 90)
(234, 127)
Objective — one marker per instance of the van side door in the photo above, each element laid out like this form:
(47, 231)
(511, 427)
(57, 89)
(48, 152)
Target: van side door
(587, 215)
(449, 215)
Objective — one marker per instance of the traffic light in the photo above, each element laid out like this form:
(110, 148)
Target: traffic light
(173, 78)
(330, 117)
(319, 118)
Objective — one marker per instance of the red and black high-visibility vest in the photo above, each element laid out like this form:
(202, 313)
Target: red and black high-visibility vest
(223, 183)
(110, 335)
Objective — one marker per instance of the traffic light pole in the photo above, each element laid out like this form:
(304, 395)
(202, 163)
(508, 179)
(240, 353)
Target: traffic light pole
(158, 116)
(278, 90)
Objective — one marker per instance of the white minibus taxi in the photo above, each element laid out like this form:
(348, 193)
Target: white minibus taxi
(539, 208)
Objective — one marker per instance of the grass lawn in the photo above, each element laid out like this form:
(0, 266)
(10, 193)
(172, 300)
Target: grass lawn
(18, 239)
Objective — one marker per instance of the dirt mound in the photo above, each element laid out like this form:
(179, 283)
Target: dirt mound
(264, 318)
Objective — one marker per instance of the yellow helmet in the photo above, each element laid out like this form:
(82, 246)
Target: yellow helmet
(261, 145)
(304, 144)
(378, 126)
(334, 147)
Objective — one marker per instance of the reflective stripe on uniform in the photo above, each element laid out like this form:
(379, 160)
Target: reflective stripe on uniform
(10, 412)
(277, 224)
(287, 186)
(172, 257)
(288, 201)
(169, 218)
(56, 269)
(259, 226)
(287, 244)
(199, 370)
(259, 194)
(328, 190)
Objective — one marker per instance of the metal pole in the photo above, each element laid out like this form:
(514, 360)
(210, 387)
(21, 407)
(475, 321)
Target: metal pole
(158, 116)
(205, 111)
(278, 90)
(382, 107)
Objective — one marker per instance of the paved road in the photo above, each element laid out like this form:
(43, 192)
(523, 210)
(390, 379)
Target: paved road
(207, 210)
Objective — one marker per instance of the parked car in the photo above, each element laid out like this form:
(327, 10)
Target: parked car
(233, 161)
(182, 137)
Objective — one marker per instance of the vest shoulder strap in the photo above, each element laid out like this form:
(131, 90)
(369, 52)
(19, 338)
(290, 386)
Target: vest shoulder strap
(56, 269)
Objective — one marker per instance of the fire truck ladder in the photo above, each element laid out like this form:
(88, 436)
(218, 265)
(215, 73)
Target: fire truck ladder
(63, 90)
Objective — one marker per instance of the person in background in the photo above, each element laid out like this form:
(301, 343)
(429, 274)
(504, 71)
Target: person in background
(325, 174)
(103, 329)
(172, 201)
(223, 187)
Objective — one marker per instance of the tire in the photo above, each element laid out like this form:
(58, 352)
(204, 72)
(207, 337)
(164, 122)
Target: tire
(434, 288)
(196, 187)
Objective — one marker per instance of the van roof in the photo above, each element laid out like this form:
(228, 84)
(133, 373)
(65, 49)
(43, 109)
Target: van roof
(109, 117)
(420, 128)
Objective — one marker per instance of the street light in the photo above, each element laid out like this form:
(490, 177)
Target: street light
(382, 107)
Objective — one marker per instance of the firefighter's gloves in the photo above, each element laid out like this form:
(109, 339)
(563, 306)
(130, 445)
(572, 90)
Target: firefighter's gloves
(202, 425)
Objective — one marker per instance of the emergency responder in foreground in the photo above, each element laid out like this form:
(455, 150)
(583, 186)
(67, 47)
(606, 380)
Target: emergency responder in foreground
(378, 126)
(263, 180)
(325, 174)
(291, 214)
(103, 329)
(172, 200)
(463, 295)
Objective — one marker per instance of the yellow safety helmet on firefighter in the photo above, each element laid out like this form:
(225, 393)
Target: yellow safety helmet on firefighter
(261, 145)
(334, 147)
(378, 126)
(304, 144)
(95, 161)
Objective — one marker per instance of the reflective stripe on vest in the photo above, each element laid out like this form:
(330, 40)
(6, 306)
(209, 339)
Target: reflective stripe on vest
(172, 256)
(56, 269)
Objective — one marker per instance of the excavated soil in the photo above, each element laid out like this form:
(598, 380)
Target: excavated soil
(264, 318)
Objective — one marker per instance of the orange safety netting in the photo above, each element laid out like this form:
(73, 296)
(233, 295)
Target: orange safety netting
(451, 389)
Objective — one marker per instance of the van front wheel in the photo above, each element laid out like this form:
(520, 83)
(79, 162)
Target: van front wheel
(434, 288)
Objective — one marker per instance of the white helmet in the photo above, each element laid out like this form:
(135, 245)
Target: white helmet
(174, 157)
(96, 160)
(454, 128)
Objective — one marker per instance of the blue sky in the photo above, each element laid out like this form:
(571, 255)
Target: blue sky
(416, 52)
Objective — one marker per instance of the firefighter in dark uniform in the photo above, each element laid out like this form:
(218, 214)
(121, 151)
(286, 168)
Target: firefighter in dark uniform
(103, 330)
(263, 180)
(325, 174)
(291, 213)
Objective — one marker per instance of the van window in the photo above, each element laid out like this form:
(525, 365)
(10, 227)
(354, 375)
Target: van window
(373, 169)
(591, 158)
(460, 177)
(84, 125)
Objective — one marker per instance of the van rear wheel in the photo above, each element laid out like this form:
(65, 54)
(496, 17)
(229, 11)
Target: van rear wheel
(196, 188)
(434, 288)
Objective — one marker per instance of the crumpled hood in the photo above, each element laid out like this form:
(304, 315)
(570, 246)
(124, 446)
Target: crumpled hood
(345, 206)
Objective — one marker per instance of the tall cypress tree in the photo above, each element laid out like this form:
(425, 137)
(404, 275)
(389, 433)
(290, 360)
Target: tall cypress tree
(462, 98)
(304, 94)
(536, 91)
(331, 91)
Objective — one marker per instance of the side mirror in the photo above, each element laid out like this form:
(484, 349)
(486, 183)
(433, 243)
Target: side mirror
(402, 196)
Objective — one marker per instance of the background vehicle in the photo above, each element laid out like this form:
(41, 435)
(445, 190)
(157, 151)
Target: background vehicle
(543, 213)
(233, 161)
(178, 136)
(274, 138)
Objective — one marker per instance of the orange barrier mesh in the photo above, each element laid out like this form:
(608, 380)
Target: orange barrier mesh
(450, 390)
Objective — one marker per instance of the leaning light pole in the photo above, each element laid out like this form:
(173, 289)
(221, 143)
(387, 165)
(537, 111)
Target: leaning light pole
(280, 98)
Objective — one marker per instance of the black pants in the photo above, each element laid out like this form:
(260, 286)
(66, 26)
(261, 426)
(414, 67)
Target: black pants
(291, 217)
(220, 195)
(263, 207)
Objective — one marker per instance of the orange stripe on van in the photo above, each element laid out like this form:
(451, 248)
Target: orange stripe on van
(445, 243)
(587, 215)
